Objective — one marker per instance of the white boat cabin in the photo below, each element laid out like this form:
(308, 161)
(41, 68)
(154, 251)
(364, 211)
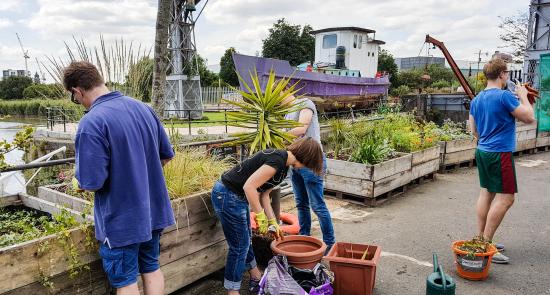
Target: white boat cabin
(361, 48)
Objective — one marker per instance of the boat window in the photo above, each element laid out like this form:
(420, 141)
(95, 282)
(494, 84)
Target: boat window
(360, 41)
(355, 41)
(329, 41)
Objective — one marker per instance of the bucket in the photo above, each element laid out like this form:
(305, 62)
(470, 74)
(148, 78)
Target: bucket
(473, 267)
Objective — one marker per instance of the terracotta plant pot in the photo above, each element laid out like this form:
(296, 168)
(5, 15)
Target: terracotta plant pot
(476, 267)
(354, 267)
(301, 251)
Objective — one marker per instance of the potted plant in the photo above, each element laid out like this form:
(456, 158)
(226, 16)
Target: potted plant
(473, 258)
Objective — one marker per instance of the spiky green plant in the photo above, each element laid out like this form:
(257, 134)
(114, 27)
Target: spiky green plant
(263, 111)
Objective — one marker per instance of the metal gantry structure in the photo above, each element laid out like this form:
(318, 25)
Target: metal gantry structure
(538, 39)
(183, 85)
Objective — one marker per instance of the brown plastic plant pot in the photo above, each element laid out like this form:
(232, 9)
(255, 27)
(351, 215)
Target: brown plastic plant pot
(354, 267)
(301, 251)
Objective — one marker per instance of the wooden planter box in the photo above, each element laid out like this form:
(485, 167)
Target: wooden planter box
(425, 162)
(26, 265)
(191, 249)
(456, 152)
(526, 136)
(368, 181)
(543, 139)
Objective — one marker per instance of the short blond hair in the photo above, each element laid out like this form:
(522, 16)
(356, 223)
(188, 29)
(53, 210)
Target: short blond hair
(494, 68)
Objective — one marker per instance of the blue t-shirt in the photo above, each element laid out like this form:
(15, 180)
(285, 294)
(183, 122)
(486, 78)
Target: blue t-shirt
(494, 122)
(119, 146)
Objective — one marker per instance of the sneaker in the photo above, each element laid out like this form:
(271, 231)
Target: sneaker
(500, 247)
(500, 258)
(254, 286)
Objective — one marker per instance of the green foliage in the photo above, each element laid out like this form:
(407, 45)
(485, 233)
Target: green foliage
(441, 84)
(37, 107)
(400, 91)
(22, 141)
(387, 108)
(289, 42)
(18, 226)
(438, 72)
(13, 87)
(411, 78)
(44, 91)
(386, 63)
(140, 79)
(227, 68)
(373, 150)
(478, 82)
(338, 137)
(451, 130)
(263, 110)
(192, 171)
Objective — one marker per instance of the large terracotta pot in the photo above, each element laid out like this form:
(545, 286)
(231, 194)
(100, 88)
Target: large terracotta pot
(301, 251)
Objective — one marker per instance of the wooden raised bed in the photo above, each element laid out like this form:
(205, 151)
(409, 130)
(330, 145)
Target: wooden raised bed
(543, 141)
(367, 182)
(29, 266)
(526, 136)
(191, 249)
(456, 153)
(425, 163)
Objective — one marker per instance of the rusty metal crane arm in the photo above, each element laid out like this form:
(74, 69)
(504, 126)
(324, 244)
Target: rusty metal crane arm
(461, 79)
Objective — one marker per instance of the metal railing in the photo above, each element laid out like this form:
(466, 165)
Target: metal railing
(214, 95)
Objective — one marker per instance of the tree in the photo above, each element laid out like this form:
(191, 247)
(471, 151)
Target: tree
(208, 78)
(514, 34)
(289, 42)
(307, 42)
(161, 55)
(13, 87)
(411, 78)
(386, 63)
(439, 72)
(227, 68)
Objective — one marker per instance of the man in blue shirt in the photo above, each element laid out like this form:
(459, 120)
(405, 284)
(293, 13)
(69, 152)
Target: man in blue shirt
(493, 115)
(121, 147)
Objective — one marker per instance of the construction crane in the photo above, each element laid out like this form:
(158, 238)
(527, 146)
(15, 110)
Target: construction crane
(40, 70)
(25, 55)
(454, 67)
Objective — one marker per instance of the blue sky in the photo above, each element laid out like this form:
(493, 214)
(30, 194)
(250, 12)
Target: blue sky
(466, 26)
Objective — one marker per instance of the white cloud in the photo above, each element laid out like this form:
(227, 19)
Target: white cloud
(4, 23)
(8, 5)
(135, 20)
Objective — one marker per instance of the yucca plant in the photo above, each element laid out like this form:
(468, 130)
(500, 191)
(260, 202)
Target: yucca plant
(264, 111)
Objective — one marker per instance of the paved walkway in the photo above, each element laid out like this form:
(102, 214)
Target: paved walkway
(429, 217)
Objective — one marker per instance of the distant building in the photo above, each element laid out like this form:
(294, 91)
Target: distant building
(359, 46)
(418, 62)
(10, 73)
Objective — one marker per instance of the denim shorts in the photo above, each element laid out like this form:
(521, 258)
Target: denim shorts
(123, 264)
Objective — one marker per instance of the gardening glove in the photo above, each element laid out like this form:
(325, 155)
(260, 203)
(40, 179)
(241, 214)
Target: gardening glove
(76, 185)
(261, 221)
(275, 229)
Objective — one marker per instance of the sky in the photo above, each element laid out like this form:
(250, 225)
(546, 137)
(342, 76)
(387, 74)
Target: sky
(466, 26)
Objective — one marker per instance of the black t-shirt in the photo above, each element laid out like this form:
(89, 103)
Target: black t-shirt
(235, 178)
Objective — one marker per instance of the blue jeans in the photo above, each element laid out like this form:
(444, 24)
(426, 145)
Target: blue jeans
(308, 191)
(123, 264)
(234, 216)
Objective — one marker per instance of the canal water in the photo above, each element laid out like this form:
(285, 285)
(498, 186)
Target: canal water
(8, 129)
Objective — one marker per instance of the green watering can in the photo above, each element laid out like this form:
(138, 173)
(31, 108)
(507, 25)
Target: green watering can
(438, 283)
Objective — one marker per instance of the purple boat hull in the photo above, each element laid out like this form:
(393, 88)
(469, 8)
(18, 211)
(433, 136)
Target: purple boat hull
(311, 83)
